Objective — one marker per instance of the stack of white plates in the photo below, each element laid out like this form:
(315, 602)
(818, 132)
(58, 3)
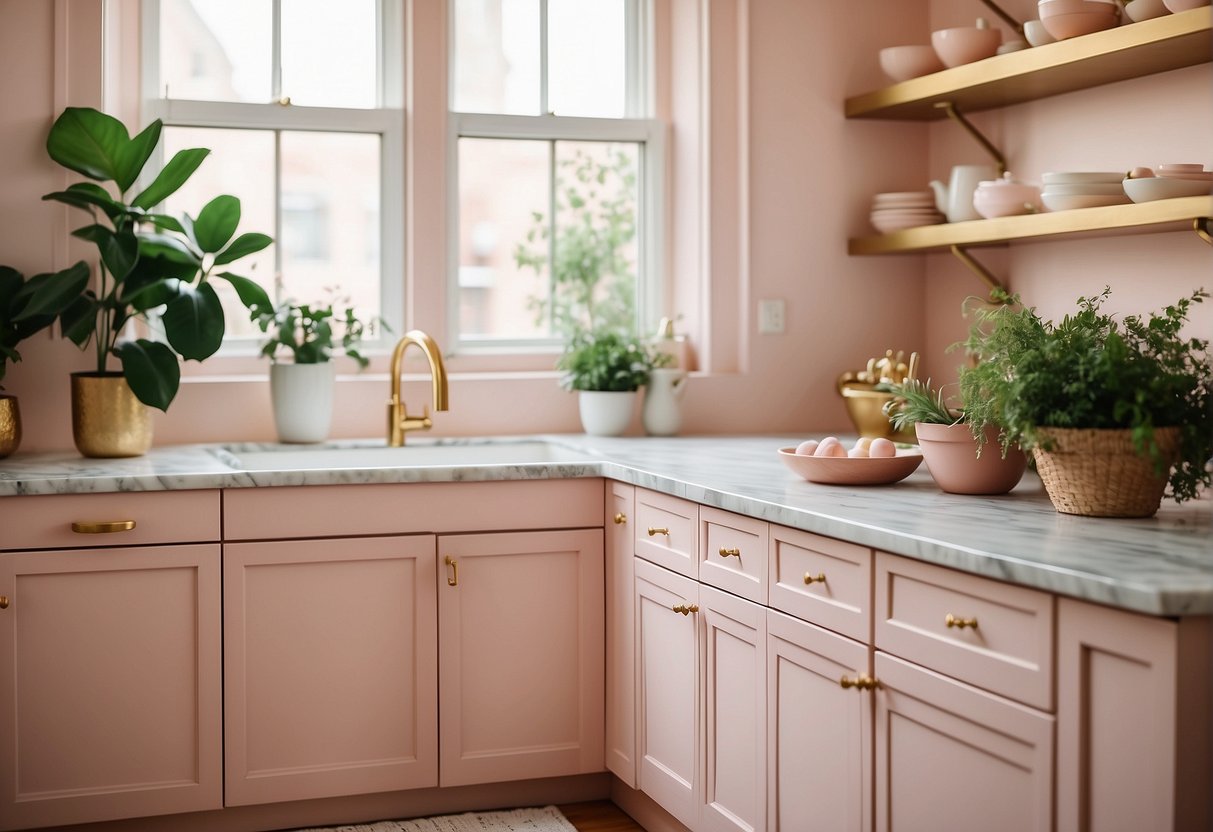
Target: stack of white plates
(904, 209)
(1064, 191)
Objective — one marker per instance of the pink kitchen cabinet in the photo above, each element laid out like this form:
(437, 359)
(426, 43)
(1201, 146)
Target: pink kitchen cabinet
(1133, 718)
(109, 678)
(734, 702)
(819, 734)
(620, 633)
(521, 664)
(952, 756)
(667, 690)
(330, 666)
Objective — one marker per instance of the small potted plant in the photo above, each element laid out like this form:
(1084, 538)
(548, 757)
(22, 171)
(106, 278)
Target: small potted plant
(20, 318)
(150, 266)
(1114, 411)
(954, 441)
(606, 368)
(302, 389)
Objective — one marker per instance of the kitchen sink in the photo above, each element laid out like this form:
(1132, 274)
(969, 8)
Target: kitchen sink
(432, 455)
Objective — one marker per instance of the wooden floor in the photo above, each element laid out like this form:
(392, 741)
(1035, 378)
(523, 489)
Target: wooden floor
(599, 816)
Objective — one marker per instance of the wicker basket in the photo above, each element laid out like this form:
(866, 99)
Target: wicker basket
(1099, 473)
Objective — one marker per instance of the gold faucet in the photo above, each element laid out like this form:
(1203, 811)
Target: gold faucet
(398, 419)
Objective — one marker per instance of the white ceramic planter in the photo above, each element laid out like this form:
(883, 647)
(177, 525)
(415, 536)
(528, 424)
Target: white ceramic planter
(662, 413)
(303, 401)
(605, 413)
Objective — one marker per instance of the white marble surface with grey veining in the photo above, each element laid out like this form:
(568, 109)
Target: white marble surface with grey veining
(1162, 565)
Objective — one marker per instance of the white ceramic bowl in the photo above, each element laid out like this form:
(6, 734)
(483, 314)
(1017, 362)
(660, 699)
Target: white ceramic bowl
(1071, 177)
(1071, 18)
(1089, 188)
(1157, 187)
(965, 44)
(1036, 33)
(901, 63)
(1068, 202)
(1139, 10)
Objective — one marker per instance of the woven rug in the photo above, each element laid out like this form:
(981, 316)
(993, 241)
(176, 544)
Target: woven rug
(545, 819)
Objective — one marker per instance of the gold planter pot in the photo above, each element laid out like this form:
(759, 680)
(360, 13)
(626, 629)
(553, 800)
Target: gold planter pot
(10, 425)
(107, 419)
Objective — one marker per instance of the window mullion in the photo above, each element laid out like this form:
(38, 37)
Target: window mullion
(552, 238)
(279, 282)
(276, 53)
(543, 58)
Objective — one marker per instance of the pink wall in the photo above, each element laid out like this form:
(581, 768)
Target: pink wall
(809, 175)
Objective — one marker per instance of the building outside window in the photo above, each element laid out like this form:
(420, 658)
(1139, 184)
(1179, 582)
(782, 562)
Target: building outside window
(300, 103)
(557, 170)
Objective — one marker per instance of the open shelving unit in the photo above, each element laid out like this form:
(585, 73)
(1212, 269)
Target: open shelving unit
(1134, 50)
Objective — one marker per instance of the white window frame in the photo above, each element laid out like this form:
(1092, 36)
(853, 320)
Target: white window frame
(386, 121)
(636, 127)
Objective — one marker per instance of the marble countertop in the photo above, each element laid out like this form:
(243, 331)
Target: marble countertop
(1161, 566)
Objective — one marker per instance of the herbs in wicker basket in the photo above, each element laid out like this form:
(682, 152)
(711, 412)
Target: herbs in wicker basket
(1094, 371)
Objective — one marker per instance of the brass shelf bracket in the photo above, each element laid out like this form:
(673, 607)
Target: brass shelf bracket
(1006, 18)
(1202, 226)
(998, 292)
(950, 109)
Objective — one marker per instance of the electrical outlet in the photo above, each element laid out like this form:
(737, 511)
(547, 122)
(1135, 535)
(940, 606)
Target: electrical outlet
(770, 317)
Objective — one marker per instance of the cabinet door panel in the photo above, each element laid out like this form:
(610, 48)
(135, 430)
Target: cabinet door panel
(1118, 678)
(330, 665)
(667, 704)
(109, 684)
(950, 756)
(819, 735)
(620, 633)
(734, 706)
(521, 656)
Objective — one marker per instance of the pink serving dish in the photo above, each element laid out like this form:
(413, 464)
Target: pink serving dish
(829, 470)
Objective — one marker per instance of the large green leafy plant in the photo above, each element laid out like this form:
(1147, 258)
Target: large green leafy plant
(1094, 371)
(18, 320)
(149, 263)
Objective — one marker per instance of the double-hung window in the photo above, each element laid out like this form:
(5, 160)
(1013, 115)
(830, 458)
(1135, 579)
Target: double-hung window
(556, 169)
(300, 103)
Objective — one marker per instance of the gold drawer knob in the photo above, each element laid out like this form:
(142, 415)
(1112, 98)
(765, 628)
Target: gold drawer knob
(106, 527)
(620, 519)
(653, 532)
(864, 682)
(685, 609)
(3, 602)
(959, 623)
(819, 578)
(730, 553)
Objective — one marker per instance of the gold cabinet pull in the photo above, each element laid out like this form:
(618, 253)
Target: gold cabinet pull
(3, 602)
(653, 532)
(725, 553)
(685, 609)
(959, 623)
(620, 519)
(453, 579)
(104, 527)
(864, 682)
(819, 578)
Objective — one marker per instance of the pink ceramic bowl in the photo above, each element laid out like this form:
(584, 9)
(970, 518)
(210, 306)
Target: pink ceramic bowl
(1071, 18)
(1177, 6)
(965, 44)
(901, 63)
(951, 455)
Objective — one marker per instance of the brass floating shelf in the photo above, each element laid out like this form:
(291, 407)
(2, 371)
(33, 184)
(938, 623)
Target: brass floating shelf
(1169, 42)
(1161, 215)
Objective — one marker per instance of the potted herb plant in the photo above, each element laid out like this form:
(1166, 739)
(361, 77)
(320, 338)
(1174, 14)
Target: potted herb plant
(302, 389)
(953, 441)
(150, 265)
(606, 368)
(1114, 411)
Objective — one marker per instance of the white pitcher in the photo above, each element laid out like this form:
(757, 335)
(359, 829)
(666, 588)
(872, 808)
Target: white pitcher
(662, 414)
(955, 200)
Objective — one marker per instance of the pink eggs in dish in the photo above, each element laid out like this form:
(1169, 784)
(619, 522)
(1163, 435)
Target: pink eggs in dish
(807, 447)
(882, 449)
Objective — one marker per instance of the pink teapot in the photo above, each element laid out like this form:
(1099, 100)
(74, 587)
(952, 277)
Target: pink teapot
(1005, 197)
